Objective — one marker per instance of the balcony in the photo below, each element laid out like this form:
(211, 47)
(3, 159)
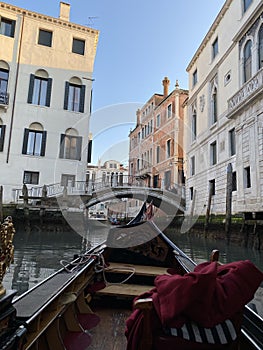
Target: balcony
(249, 91)
(4, 99)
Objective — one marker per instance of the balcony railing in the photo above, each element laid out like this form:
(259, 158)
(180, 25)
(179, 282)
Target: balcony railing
(249, 90)
(4, 98)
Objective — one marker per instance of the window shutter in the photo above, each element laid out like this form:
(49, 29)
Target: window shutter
(2, 138)
(49, 87)
(43, 144)
(24, 149)
(90, 103)
(89, 151)
(82, 99)
(79, 146)
(66, 95)
(13, 29)
(62, 145)
(31, 87)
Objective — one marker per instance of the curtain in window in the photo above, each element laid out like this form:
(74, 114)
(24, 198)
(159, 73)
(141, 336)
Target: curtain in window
(74, 98)
(34, 142)
(39, 92)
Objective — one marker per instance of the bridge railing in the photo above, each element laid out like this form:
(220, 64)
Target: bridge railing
(91, 186)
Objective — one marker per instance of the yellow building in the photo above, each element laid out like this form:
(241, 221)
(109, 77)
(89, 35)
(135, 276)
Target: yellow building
(46, 67)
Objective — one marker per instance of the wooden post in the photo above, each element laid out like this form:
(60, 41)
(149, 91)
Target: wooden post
(1, 203)
(228, 200)
(207, 216)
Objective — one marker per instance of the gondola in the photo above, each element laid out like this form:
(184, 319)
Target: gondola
(104, 299)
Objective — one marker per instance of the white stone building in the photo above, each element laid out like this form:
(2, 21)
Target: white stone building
(225, 112)
(46, 67)
(109, 174)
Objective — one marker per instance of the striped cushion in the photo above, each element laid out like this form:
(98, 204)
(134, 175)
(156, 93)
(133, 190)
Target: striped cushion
(223, 333)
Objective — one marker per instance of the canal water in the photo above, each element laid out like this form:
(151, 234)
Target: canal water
(38, 254)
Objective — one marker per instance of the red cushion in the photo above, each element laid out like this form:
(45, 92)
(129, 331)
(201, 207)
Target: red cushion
(88, 321)
(77, 340)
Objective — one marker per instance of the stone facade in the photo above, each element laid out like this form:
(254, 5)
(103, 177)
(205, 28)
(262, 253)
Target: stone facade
(224, 114)
(46, 67)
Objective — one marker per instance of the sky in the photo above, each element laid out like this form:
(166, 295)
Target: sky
(140, 42)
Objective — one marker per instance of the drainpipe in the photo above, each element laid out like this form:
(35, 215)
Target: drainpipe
(15, 91)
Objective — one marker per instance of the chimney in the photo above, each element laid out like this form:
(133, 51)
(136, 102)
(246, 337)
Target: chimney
(138, 114)
(166, 83)
(64, 11)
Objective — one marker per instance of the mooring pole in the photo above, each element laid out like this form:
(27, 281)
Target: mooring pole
(1, 203)
(207, 216)
(229, 188)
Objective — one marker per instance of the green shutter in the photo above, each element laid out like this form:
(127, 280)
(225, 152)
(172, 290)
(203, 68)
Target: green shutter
(79, 146)
(43, 144)
(31, 87)
(62, 145)
(89, 151)
(24, 148)
(66, 95)
(82, 98)
(2, 138)
(49, 87)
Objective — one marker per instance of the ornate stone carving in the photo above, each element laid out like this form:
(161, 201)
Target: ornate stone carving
(7, 232)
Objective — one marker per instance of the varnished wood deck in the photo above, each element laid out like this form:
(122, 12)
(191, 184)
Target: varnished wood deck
(109, 333)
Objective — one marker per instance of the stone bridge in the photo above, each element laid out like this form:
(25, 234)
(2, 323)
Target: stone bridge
(80, 194)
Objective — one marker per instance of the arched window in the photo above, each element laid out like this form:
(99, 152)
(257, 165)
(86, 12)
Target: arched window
(214, 104)
(194, 122)
(247, 61)
(70, 145)
(34, 143)
(4, 76)
(260, 47)
(74, 95)
(39, 92)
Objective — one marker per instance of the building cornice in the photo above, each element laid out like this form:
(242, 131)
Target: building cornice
(48, 19)
(209, 34)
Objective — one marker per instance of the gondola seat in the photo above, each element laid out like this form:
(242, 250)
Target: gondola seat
(198, 311)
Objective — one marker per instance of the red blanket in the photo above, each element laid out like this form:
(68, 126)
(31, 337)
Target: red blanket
(207, 296)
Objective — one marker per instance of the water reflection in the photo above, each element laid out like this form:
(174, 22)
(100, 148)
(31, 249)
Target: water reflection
(38, 254)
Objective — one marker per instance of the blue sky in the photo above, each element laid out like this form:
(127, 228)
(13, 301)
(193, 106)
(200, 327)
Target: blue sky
(140, 42)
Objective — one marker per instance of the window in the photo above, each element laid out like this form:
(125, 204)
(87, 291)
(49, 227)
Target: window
(74, 97)
(7, 27)
(192, 166)
(247, 179)
(39, 92)
(158, 121)
(70, 147)
(2, 137)
(31, 177)
(169, 111)
(4, 74)
(194, 77)
(45, 37)
(193, 127)
(67, 180)
(168, 148)
(158, 154)
(260, 47)
(212, 187)
(191, 189)
(78, 46)
(213, 158)
(232, 142)
(246, 4)
(215, 48)
(34, 143)
(247, 68)
(234, 181)
(214, 106)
